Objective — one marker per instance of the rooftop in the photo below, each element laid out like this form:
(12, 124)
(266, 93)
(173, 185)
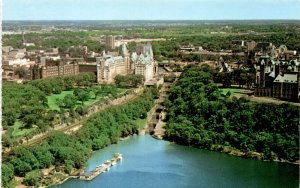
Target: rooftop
(286, 78)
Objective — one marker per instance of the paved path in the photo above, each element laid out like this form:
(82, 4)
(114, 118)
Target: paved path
(159, 130)
(265, 100)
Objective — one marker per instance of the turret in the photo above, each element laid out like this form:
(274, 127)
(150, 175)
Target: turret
(125, 54)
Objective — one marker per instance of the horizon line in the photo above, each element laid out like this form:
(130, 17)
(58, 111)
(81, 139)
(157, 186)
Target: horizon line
(269, 19)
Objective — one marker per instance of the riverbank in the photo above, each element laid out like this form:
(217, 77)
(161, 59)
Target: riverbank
(238, 153)
(120, 126)
(144, 129)
(226, 150)
(50, 176)
(56, 175)
(70, 127)
(249, 154)
(200, 116)
(147, 160)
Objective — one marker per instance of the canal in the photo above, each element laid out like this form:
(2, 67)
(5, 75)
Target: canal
(148, 162)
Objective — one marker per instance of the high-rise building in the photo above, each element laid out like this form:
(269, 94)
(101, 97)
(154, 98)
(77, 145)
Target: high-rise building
(22, 41)
(110, 41)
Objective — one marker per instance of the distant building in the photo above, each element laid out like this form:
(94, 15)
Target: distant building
(23, 43)
(286, 85)
(13, 59)
(20, 62)
(53, 68)
(6, 49)
(141, 62)
(278, 78)
(110, 41)
(106, 66)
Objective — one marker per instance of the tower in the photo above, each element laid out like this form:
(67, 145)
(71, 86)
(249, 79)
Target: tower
(22, 42)
(125, 54)
(110, 41)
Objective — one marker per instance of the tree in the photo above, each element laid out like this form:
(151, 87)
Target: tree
(226, 79)
(250, 79)
(81, 110)
(133, 80)
(20, 167)
(30, 120)
(9, 117)
(68, 82)
(200, 117)
(7, 141)
(82, 95)
(7, 173)
(69, 101)
(44, 156)
(27, 156)
(32, 178)
(20, 71)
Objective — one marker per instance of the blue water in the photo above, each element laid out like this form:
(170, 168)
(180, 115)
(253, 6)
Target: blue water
(148, 162)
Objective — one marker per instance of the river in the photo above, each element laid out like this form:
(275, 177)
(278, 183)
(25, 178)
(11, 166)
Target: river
(148, 162)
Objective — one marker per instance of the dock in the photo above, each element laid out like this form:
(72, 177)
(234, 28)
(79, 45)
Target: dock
(101, 168)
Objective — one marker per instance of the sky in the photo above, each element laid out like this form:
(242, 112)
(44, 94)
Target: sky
(150, 9)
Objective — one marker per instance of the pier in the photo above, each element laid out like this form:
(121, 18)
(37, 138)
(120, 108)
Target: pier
(101, 168)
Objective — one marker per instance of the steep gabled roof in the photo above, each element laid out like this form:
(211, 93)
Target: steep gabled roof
(286, 78)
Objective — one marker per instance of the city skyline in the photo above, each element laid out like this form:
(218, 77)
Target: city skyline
(150, 10)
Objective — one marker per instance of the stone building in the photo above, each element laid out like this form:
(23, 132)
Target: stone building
(286, 86)
(110, 66)
(110, 41)
(278, 78)
(54, 69)
(106, 66)
(141, 62)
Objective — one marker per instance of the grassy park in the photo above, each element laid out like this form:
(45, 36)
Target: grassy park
(233, 91)
(54, 99)
(95, 94)
(140, 122)
(18, 130)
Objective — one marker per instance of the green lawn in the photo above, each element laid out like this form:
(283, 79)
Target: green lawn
(18, 131)
(232, 90)
(140, 122)
(54, 98)
(92, 100)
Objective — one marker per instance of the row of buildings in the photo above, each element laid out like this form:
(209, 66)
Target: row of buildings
(105, 66)
(278, 78)
(277, 70)
(39, 64)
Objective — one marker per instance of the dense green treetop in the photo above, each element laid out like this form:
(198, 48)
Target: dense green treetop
(199, 115)
(72, 151)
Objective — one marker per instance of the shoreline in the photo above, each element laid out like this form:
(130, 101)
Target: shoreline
(78, 171)
(51, 175)
(232, 152)
(66, 177)
(237, 153)
(144, 129)
(69, 127)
